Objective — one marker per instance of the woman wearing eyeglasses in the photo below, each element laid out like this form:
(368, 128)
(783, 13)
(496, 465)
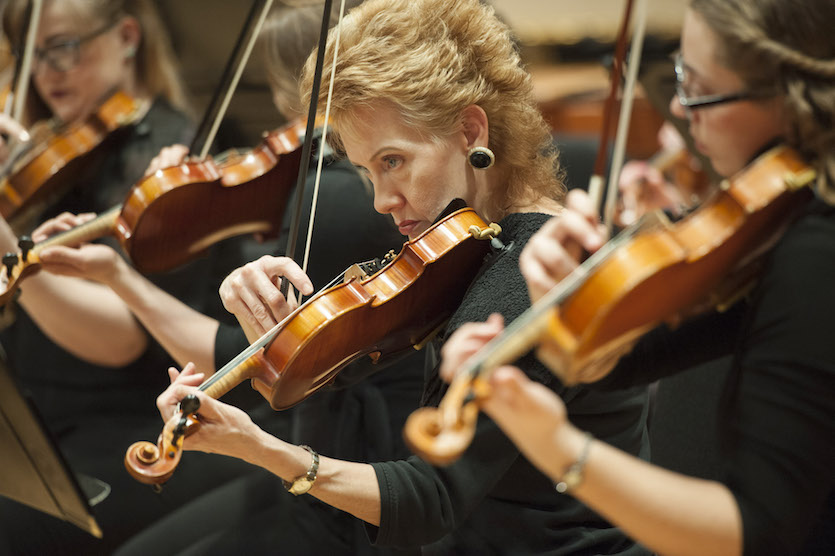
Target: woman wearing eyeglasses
(752, 74)
(74, 345)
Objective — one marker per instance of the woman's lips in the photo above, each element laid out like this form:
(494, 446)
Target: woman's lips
(407, 226)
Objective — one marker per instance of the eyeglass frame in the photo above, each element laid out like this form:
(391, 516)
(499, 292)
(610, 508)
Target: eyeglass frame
(704, 101)
(42, 54)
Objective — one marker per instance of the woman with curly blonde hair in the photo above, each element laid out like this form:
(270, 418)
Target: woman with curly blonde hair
(431, 103)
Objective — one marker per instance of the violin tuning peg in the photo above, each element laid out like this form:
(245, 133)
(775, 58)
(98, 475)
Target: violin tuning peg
(10, 260)
(25, 244)
(189, 405)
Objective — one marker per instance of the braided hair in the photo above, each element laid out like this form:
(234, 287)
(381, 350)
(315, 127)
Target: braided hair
(788, 44)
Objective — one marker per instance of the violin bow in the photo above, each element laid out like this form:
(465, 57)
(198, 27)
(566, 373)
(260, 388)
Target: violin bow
(24, 72)
(625, 113)
(301, 180)
(207, 130)
(596, 182)
(595, 187)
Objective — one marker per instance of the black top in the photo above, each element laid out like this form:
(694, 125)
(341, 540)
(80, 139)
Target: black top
(779, 399)
(493, 500)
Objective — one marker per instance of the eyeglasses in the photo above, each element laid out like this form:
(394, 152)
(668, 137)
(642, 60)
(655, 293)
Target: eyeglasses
(703, 101)
(64, 54)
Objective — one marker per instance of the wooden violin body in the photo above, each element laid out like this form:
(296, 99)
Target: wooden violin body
(54, 162)
(639, 279)
(398, 308)
(669, 272)
(173, 215)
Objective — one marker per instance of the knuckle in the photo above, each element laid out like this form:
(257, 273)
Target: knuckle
(260, 313)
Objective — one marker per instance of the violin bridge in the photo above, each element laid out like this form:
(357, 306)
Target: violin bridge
(354, 271)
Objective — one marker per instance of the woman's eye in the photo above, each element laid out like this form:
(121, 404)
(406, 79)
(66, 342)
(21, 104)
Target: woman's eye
(391, 162)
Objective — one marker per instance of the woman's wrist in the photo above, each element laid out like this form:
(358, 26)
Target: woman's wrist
(570, 447)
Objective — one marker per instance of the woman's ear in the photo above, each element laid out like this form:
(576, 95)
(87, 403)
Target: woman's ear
(130, 34)
(475, 126)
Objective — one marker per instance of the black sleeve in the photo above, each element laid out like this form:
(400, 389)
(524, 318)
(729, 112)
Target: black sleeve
(230, 340)
(784, 400)
(423, 503)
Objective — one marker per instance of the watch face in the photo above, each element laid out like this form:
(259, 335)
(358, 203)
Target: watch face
(300, 486)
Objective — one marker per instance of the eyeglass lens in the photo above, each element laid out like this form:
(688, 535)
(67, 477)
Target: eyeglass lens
(62, 56)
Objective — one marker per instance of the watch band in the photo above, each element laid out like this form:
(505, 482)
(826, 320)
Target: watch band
(573, 476)
(303, 483)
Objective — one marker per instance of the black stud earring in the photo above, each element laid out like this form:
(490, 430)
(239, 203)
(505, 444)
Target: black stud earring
(481, 157)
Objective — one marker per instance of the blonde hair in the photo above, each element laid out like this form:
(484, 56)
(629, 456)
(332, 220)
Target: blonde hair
(431, 59)
(156, 67)
(790, 44)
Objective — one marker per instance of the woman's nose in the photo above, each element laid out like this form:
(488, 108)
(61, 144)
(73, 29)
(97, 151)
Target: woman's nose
(386, 198)
(676, 109)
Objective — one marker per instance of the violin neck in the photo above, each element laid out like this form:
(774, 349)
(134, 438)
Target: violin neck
(100, 226)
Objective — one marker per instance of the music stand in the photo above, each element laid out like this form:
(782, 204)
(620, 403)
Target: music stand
(33, 470)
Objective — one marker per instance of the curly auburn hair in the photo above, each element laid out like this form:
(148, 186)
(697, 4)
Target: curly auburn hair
(431, 59)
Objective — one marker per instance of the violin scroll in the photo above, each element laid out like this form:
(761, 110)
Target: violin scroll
(154, 464)
(439, 435)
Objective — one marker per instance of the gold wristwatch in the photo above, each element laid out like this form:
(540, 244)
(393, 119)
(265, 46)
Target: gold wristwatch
(303, 483)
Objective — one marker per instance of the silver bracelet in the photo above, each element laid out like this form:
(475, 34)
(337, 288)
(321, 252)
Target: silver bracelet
(573, 476)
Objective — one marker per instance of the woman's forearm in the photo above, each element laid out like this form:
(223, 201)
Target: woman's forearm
(186, 334)
(667, 512)
(349, 486)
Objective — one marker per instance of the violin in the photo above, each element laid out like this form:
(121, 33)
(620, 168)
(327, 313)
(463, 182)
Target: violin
(176, 213)
(684, 171)
(678, 167)
(651, 273)
(51, 164)
(399, 307)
